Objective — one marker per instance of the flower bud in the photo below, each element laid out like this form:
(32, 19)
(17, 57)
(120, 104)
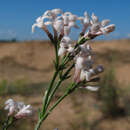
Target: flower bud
(99, 69)
(94, 18)
(105, 22)
(108, 29)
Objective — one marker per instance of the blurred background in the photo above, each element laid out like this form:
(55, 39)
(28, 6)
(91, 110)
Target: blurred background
(26, 66)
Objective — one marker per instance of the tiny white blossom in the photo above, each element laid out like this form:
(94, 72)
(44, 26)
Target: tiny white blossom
(89, 73)
(99, 28)
(57, 11)
(105, 22)
(65, 46)
(66, 30)
(11, 106)
(86, 74)
(18, 109)
(24, 112)
(61, 51)
(94, 19)
(52, 13)
(79, 62)
(69, 22)
(85, 21)
(40, 23)
(58, 25)
(108, 29)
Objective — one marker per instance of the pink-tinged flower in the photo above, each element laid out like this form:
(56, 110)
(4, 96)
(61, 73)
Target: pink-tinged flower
(83, 69)
(11, 106)
(83, 63)
(58, 25)
(69, 21)
(94, 19)
(18, 109)
(65, 46)
(108, 29)
(52, 19)
(85, 21)
(86, 75)
(66, 30)
(99, 28)
(25, 111)
(40, 22)
(52, 13)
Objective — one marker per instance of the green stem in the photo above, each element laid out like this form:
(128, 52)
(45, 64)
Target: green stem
(68, 91)
(58, 84)
(53, 92)
(53, 79)
(8, 123)
(48, 91)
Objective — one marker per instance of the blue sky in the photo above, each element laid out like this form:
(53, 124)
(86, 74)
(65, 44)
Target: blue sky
(17, 16)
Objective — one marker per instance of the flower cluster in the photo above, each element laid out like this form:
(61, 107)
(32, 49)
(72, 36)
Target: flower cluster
(18, 109)
(62, 22)
(69, 54)
(84, 70)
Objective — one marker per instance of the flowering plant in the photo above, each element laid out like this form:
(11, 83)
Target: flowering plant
(68, 56)
(71, 55)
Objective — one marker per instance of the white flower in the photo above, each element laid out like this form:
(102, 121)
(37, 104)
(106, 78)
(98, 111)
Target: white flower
(61, 51)
(86, 74)
(108, 29)
(40, 23)
(53, 13)
(56, 11)
(85, 21)
(12, 106)
(18, 109)
(79, 62)
(66, 30)
(94, 19)
(105, 22)
(25, 111)
(69, 21)
(92, 88)
(72, 17)
(100, 28)
(65, 46)
(58, 25)
(51, 16)
(70, 48)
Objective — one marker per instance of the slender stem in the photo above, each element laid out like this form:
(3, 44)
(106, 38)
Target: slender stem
(68, 91)
(53, 79)
(53, 92)
(58, 84)
(48, 91)
(48, 96)
(8, 123)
